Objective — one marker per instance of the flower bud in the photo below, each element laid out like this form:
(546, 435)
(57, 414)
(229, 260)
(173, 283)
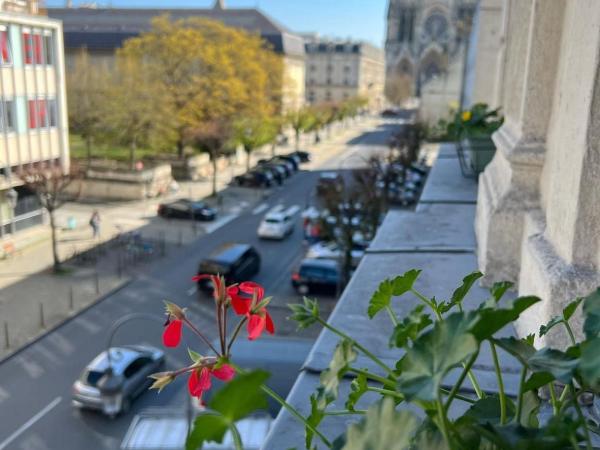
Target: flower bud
(174, 310)
(162, 379)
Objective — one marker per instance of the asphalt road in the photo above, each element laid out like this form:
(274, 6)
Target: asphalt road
(35, 384)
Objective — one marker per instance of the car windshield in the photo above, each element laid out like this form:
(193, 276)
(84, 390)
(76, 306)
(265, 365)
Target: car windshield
(91, 377)
(272, 220)
(213, 268)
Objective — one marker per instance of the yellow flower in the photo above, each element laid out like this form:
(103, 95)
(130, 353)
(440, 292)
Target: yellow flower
(466, 115)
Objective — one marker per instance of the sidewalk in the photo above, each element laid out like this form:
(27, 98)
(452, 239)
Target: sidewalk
(31, 304)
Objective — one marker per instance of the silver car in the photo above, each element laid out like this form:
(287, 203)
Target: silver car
(110, 387)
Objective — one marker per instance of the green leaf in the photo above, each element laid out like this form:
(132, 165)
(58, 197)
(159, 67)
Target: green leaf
(589, 364)
(315, 417)
(530, 410)
(499, 289)
(305, 313)
(460, 292)
(195, 357)
(358, 387)
(537, 380)
(343, 356)
(553, 322)
(493, 320)
(559, 364)
(383, 428)
(410, 327)
(429, 437)
(207, 428)
(519, 348)
(487, 409)
(241, 396)
(591, 310)
(391, 288)
(433, 354)
(570, 309)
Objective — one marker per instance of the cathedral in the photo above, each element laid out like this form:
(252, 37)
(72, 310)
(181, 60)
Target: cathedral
(426, 40)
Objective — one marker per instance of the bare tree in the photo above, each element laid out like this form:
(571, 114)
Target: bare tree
(49, 184)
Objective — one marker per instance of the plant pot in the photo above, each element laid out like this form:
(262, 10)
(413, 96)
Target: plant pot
(481, 150)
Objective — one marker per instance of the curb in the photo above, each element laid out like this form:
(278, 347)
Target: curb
(66, 320)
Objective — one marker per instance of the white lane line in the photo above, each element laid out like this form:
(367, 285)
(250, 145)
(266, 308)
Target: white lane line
(210, 227)
(260, 208)
(293, 209)
(3, 395)
(191, 291)
(4, 444)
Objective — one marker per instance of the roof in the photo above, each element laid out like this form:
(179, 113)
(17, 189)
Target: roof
(228, 253)
(362, 48)
(120, 359)
(318, 262)
(107, 28)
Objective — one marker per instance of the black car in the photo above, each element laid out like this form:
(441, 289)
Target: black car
(254, 178)
(304, 156)
(187, 209)
(316, 275)
(236, 262)
(279, 172)
(295, 163)
(329, 181)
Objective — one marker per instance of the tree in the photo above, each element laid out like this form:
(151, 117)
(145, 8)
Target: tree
(50, 185)
(252, 133)
(87, 88)
(300, 120)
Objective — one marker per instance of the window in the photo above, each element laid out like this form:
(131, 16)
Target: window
(328, 95)
(313, 67)
(346, 81)
(328, 80)
(136, 366)
(42, 113)
(7, 115)
(38, 48)
(48, 49)
(5, 56)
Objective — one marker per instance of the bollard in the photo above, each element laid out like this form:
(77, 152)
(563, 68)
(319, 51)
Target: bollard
(71, 298)
(42, 321)
(97, 282)
(6, 339)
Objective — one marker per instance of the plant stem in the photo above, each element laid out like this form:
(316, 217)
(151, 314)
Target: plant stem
(390, 311)
(458, 396)
(237, 439)
(200, 335)
(443, 422)
(372, 376)
(570, 331)
(294, 412)
(500, 384)
(476, 387)
(367, 353)
(237, 330)
(345, 412)
(563, 394)
(553, 398)
(521, 393)
(459, 382)
(386, 392)
(586, 432)
(428, 302)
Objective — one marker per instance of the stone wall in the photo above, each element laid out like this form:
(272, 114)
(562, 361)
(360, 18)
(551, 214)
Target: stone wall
(538, 214)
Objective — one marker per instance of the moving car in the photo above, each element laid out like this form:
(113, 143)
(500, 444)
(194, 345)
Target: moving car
(236, 262)
(328, 181)
(129, 367)
(315, 275)
(187, 209)
(277, 223)
(331, 250)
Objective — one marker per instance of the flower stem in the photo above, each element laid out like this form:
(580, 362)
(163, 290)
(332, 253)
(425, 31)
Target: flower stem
(453, 393)
(294, 412)
(237, 330)
(395, 394)
(200, 335)
(237, 439)
(372, 376)
(367, 353)
(521, 393)
(390, 311)
(500, 384)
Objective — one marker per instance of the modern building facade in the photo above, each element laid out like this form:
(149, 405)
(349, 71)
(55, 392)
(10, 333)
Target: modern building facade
(425, 50)
(33, 116)
(103, 30)
(336, 71)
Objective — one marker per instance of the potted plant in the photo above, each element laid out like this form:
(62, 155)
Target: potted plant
(474, 128)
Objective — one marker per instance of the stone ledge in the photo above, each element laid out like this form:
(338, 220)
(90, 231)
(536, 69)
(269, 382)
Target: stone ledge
(446, 184)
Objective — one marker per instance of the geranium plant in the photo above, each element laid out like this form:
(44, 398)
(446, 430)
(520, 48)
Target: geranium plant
(435, 338)
(479, 121)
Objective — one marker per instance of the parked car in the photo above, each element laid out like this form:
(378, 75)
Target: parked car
(187, 209)
(254, 179)
(277, 224)
(130, 364)
(331, 250)
(236, 262)
(316, 275)
(304, 156)
(289, 162)
(294, 159)
(277, 172)
(328, 181)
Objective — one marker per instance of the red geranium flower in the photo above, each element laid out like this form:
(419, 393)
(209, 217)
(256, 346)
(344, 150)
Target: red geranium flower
(199, 380)
(172, 333)
(258, 318)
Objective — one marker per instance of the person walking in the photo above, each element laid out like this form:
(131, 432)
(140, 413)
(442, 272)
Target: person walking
(95, 224)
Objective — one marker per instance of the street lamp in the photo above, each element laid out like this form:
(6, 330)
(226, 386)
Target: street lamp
(12, 196)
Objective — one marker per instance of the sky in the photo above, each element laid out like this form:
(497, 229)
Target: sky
(356, 19)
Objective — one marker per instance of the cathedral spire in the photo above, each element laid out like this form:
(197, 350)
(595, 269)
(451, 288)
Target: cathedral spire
(219, 4)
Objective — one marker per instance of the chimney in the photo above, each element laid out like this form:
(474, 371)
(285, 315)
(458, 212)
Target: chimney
(219, 4)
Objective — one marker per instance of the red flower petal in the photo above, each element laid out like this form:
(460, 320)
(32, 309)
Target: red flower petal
(249, 287)
(202, 276)
(224, 373)
(204, 379)
(194, 384)
(172, 333)
(256, 325)
(241, 305)
(270, 326)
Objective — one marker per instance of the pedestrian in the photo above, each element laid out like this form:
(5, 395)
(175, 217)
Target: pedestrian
(95, 223)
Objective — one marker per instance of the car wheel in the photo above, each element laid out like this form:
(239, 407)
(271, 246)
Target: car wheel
(303, 289)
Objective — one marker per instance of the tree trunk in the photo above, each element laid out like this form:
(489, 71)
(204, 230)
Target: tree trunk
(54, 241)
(297, 130)
(273, 147)
(248, 154)
(88, 146)
(132, 149)
(180, 149)
(214, 174)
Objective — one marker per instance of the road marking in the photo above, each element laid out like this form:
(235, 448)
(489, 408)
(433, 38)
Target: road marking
(293, 209)
(33, 369)
(61, 343)
(4, 444)
(87, 325)
(3, 395)
(191, 291)
(213, 226)
(260, 208)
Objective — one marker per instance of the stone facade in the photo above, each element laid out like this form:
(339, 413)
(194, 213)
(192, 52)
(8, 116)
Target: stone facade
(538, 220)
(336, 71)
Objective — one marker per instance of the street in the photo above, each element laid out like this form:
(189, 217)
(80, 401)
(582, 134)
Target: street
(35, 383)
